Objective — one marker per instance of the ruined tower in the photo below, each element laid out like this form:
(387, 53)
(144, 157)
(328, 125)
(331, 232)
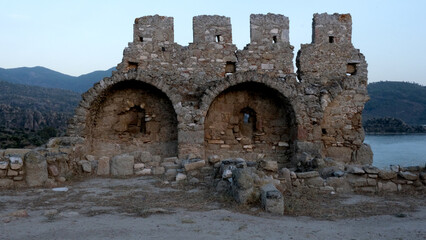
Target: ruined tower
(209, 98)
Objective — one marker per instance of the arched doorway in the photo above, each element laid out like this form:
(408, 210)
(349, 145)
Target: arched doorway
(248, 120)
(129, 116)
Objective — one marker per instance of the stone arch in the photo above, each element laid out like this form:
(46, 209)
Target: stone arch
(128, 112)
(275, 127)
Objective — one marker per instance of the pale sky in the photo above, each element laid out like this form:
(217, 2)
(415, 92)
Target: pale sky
(81, 36)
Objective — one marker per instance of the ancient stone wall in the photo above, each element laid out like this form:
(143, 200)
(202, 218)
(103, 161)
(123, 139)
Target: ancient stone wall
(210, 86)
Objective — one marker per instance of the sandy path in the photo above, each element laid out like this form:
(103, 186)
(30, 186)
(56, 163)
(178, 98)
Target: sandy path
(79, 219)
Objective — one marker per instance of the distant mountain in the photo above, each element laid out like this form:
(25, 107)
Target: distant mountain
(400, 100)
(44, 77)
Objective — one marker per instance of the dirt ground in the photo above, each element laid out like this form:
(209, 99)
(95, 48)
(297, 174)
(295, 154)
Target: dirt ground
(146, 208)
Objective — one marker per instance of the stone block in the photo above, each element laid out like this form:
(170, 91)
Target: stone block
(16, 152)
(371, 169)
(272, 200)
(170, 165)
(354, 169)
(103, 166)
(122, 165)
(145, 171)
(6, 183)
(192, 164)
(53, 170)
(138, 166)
(356, 180)
(180, 177)
(314, 182)
(12, 173)
(4, 165)
(171, 174)
(340, 154)
(86, 166)
(213, 159)
(309, 174)
(408, 175)
(158, 170)
(36, 169)
(170, 159)
(15, 162)
(389, 186)
(364, 155)
(243, 178)
(269, 165)
(387, 174)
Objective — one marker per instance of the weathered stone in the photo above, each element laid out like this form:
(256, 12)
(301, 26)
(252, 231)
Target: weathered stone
(409, 176)
(356, 180)
(394, 168)
(145, 171)
(364, 155)
(170, 159)
(315, 182)
(86, 166)
(422, 175)
(16, 152)
(171, 174)
(11, 173)
(338, 173)
(269, 165)
(4, 165)
(170, 165)
(6, 183)
(180, 177)
(15, 162)
(103, 166)
(371, 169)
(243, 178)
(122, 165)
(354, 169)
(138, 166)
(90, 158)
(389, 187)
(36, 169)
(272, 200)
(61, 179)
(341, 154)
(158, 170)
(194, 180)
(340, 184)
(192, 164)
(53, 170)
(387, 174)
(310, 174)
(214, 159)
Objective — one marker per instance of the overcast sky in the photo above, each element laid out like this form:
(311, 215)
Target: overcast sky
(81, 36)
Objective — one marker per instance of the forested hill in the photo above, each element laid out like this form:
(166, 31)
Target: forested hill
(44, 77)
(34, 108)
(400, 100)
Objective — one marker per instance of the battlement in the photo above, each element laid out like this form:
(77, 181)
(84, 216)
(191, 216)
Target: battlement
(212, 29)
(153, 29)
(336, 28)
(269, 28)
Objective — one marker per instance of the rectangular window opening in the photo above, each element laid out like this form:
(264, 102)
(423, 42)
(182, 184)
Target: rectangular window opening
(218, 37)
(163, 49)
(132, 65)
(350, 69)
(141, 39)
(331, 39)
(274, 39)
(230, 67)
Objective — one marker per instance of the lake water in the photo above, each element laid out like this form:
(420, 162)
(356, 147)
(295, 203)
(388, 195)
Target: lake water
(403, 150)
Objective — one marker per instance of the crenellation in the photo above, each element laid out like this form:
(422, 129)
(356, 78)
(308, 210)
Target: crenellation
(208, 29)
(332, 29)
(269, 28)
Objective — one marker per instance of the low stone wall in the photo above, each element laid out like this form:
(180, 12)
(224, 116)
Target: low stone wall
(246, 181)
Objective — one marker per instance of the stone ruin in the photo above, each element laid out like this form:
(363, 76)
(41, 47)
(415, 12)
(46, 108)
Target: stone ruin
(209, 98)
(244, 120)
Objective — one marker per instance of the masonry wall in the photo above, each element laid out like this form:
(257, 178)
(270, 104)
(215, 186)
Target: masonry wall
(318, 107)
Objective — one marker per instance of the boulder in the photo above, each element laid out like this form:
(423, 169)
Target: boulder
(272, 200)
(36, 169)
(122, 165)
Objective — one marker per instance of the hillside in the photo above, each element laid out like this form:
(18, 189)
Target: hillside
(44, 77)
(400, 100)
(30, 114)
